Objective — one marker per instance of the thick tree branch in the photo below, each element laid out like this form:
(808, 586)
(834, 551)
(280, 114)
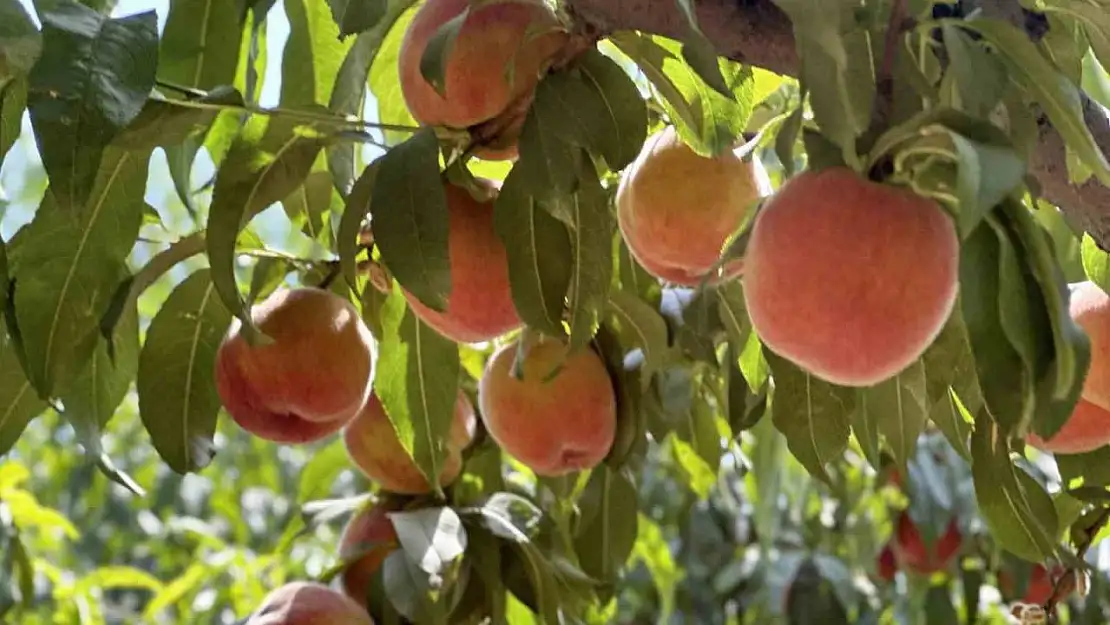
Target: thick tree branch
(758, 33)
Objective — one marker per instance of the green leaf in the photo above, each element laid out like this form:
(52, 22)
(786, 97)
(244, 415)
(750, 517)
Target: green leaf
(699, 474)
(1059, 97)
(200, 43)
(168, 123)
(409, 590)
(638, 326)
(18, 401)
(548, 163)
(355, 16)
(312, 55)
(539, 252)
(605, 540)
(602, 109)
(836, 67)
(1016, 508)
(347, 98)
(178, 403)
(591, 235)
(1000, 369)
(410, 229)
(13, 101)
(950, 367)
(978, 77)
(1096, 263)
(986, 174)
(266, 163)
(385, 77)
(433, 63)
(733, 312)
(93, 397)
(310, 204)
(357, 208)
(20, 41)
(705, 119)
(812, 414)
(699, 51)
(417, 381)
(90, 82)
(67, 267)
(897, 410)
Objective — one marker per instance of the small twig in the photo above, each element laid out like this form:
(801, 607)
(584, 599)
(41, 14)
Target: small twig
(295, 114)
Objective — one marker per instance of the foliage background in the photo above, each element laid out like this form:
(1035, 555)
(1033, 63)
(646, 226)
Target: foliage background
(206, 548)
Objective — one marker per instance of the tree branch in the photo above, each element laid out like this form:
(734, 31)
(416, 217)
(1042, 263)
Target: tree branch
(758, 33)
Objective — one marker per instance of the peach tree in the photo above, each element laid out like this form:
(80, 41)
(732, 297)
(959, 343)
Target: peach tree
(542, 250)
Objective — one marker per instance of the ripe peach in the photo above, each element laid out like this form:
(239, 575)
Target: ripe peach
(369, 529)
(554, 426)
(887, 564)
(1089, 306)
(676, 208)
(373, 446)
(911, 552)
(310, 380)
(480, 304)
(1087, 429)
(850, 279)
(1039, 588)
(501, 51)
(308, 603)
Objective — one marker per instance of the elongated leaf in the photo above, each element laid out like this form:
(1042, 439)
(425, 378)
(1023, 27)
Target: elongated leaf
(999, 367)
(604, 541)
(93, 397)
(417, 380)
(432, 537)
(539, 253)
(591, 243)
(410, 227)
(836, 67)
(20, 41)
(548, 162)
(898, 409)
(385, 78)
(67, 267)
(347, 98)
(90, 82)
(638, 325)
(433, 63)
(200, 43)
(13, 101)
(705, 119)
(813, 415)
(309, 205)
(601, 109)
(268, 161)
(313, 54)
(1016, 508)
(1059, 97)
(357, 208)
(167, 123)
(18, 401)
(355, 16)
(178, 403)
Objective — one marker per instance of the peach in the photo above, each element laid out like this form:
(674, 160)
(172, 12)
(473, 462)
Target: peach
(1089, 306)
(501, 51)
(887, 564)
(480, 305)
(1087, 429)
(309, 380)
(850, 279)
(553, 426)
(370, 532)
(676, 209)
(373, 446)
(308, 603)
(911, 552)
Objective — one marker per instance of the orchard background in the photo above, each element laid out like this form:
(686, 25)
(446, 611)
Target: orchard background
(169, 166)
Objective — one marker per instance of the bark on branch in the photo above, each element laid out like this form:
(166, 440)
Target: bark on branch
(758, 33)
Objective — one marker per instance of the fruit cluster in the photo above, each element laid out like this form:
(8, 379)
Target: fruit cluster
(848, 278)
